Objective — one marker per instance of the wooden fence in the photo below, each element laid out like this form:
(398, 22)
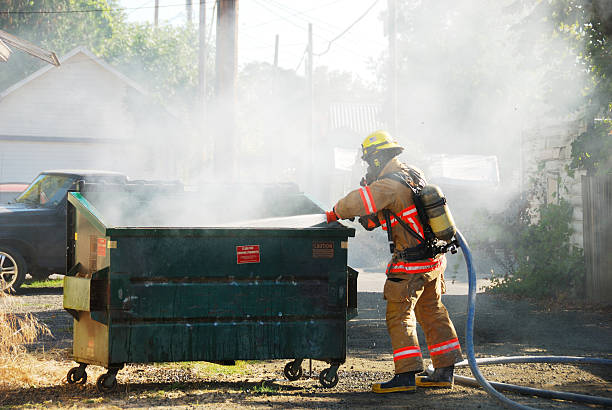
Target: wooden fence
(597, 223)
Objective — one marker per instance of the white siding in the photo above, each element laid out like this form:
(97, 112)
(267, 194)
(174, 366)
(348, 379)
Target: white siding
(78, 99)
(83, 115)
(22, 161)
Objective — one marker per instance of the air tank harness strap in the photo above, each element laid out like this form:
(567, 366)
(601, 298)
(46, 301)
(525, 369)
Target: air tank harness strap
(421, 251)
(440, 202)
(416, 190)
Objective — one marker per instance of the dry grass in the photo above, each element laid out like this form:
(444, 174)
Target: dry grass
(17, 366)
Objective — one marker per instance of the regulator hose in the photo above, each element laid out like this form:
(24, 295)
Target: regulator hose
(490, 387)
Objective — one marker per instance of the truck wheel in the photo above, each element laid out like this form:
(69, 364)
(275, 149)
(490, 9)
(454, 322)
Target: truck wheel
(13, 269)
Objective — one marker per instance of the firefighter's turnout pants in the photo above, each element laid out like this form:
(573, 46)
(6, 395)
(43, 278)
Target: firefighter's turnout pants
(417, 297)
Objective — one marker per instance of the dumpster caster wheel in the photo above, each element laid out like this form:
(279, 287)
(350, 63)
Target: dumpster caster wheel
(106, 383)
(293, 372)
(77, 375)
(326, 381)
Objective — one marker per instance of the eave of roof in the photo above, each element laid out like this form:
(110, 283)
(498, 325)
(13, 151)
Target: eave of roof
(83, 172)
(63, 60)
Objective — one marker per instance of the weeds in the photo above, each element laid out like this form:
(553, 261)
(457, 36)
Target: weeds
(536, 253)
(264, 388)
(16, 332)
(203, 369)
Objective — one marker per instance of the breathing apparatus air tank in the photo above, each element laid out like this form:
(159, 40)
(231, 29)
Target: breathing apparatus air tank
(440, 218)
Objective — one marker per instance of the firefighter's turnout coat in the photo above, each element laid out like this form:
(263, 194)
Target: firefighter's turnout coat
(413, 288)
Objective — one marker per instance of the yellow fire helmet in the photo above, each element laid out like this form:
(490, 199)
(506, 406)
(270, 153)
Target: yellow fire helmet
(377, 142)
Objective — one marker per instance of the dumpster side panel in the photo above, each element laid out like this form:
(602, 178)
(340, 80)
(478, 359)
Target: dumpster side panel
(222, 299)
(91, 331)
(169, 257)
(322, 339)
(90, 343)
(194, 298)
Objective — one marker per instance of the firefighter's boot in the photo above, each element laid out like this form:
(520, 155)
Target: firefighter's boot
(441, 377)
(401, 382)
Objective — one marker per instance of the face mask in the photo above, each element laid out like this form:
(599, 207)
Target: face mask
(372, 174)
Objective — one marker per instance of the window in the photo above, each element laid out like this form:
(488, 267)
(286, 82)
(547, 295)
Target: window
(46, 190)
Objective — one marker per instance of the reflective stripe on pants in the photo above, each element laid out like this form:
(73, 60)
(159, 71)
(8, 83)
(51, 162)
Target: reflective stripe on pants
(417, 297)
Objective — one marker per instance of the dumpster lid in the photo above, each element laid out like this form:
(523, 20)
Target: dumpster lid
(115, 214)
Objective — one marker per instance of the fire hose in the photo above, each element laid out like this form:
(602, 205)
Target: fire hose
(491, 387)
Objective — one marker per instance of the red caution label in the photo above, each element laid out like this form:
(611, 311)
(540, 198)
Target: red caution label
(247, 254)
(101, 246)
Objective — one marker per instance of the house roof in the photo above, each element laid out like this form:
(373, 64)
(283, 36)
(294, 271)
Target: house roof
(63, 60)
(27, 47)
(5, 52)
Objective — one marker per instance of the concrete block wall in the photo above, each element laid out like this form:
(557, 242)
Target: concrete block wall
(545, 155)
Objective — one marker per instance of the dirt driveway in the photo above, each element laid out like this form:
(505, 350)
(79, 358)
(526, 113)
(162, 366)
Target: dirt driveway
(503, 328)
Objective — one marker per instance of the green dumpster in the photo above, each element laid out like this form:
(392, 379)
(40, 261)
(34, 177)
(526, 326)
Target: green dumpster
(165, 294)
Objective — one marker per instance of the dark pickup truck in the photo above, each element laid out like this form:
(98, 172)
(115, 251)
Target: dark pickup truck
(33, 226)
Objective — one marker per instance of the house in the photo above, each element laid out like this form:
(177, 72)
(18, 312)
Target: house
(85, 114)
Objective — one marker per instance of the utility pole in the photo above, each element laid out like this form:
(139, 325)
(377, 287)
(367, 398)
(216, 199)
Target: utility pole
(310, 78)
(156, 21)
(392, 75)
(276, 51)
(202, 60)
(189, 10)
(225, 88)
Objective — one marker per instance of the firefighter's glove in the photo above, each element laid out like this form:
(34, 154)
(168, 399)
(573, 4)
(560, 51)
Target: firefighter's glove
(331, 216)
(369, 222)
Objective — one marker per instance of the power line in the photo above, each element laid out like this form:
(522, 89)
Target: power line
(261, 43)
(285, 18)
(302, 27)
(294, 13)
(291, 12)
(212, 20)
(301, 59)
(272, 11)
(346, 29)
(86, 10)
(131, 11)
(181, 13)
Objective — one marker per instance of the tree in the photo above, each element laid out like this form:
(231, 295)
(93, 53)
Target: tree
(332, 86)
(163, 59)
(592, 150)
(460, 86)
(472, 77)
(271, 121)
(586, 25)
(58, 26)
(534, 250)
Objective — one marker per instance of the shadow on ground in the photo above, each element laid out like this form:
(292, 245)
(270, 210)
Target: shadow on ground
(509, 326)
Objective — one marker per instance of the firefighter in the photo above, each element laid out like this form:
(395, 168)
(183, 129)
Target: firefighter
(414, 283)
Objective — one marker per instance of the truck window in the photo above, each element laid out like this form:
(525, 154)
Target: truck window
(46, 190)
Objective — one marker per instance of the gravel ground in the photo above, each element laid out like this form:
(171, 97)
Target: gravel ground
(503, 328)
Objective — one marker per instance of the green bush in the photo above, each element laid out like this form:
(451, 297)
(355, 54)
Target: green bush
(535, 252)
